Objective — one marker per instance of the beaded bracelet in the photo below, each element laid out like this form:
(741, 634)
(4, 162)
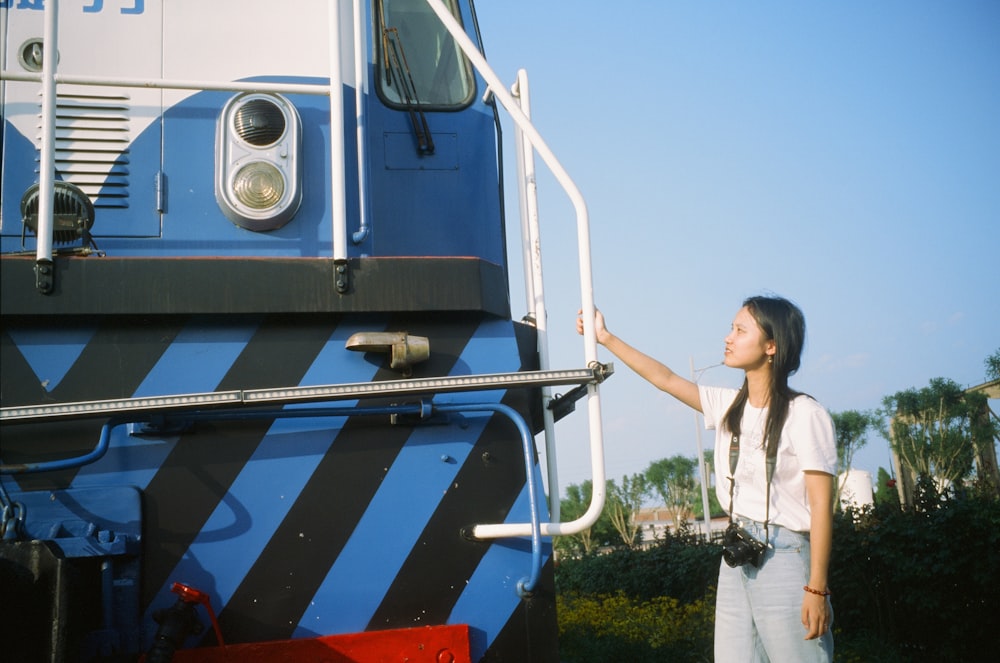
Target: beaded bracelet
(816, 591)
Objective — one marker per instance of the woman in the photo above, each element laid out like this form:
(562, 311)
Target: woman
(761, 613)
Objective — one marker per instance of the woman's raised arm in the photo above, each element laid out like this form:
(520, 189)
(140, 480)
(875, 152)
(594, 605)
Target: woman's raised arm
(653, 371)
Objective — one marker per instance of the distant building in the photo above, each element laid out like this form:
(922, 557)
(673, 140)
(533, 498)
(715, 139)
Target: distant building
(856, 488)
(655, 522)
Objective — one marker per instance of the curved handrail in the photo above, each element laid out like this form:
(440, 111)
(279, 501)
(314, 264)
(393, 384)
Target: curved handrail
(525, 586)
(586, 285)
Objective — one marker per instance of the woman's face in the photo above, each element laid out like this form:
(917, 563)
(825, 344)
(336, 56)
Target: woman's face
(746, 345)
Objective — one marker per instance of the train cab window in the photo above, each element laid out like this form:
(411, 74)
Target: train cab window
(419, 63)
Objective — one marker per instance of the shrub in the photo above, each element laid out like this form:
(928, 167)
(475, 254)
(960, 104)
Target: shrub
(615, 627)
(924, 578)
(910, 586)
(680, 565)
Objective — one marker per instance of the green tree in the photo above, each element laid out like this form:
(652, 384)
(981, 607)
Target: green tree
(885, 489)
(987, 428)
(675, 480)
(932, 430)
(624, 502)
(714, 508)
(852, 429)
(993, 366)
(573, 506)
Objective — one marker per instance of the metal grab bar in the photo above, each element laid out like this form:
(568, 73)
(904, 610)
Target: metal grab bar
(423, 409)
(319, 89)
(586, 286)
(338, 150)
(525, 586)
(44, 272)
(534, 284)
(309, 394)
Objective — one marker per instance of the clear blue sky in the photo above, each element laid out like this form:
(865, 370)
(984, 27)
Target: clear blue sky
(845, 155)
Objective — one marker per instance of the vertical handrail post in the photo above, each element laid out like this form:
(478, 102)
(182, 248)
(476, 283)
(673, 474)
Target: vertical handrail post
(338, 186)
(533, 280)
(702, 470)
(47, 174)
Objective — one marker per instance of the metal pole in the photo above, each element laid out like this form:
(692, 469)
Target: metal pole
(534, 283)
(338, 187)
(47, 170)
(706, 510)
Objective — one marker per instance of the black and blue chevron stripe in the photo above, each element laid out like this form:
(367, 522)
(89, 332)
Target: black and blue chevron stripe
(307, 526)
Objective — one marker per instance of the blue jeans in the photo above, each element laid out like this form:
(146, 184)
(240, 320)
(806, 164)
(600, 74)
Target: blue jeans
(758, 612)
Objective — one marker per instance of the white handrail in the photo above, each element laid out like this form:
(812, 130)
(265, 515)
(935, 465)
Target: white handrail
(586, 286)
(171, 84)
(338, 182)
(533, 282)
(47, 173)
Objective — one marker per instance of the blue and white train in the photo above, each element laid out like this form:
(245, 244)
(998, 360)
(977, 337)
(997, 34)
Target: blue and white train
(263, 395)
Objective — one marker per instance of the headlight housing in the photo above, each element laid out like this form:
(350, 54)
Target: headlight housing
(72, 212)
(257, 161)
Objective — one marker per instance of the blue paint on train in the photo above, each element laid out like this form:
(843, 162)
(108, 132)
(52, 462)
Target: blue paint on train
(425, 470)
(51, 352)
(265, 489)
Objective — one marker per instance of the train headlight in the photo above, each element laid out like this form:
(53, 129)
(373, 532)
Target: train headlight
(257, 162)
(259, 185)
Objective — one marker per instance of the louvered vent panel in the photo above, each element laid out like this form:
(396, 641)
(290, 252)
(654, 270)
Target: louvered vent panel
(92, 139)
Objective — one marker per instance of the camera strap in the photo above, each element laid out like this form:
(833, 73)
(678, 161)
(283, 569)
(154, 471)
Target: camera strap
(770, 462)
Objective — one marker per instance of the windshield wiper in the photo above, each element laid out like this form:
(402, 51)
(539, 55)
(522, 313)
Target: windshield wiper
(398, 70)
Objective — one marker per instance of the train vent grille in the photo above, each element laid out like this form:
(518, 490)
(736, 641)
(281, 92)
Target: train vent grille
(92, 146)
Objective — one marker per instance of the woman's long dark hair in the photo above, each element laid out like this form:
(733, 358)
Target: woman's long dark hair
(782, 322)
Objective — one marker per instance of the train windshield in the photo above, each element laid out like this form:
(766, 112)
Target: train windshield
(420, 65)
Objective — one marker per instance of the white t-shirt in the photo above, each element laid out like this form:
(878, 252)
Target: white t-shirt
(807, 443)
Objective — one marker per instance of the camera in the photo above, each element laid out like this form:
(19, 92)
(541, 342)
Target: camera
(739, 547)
